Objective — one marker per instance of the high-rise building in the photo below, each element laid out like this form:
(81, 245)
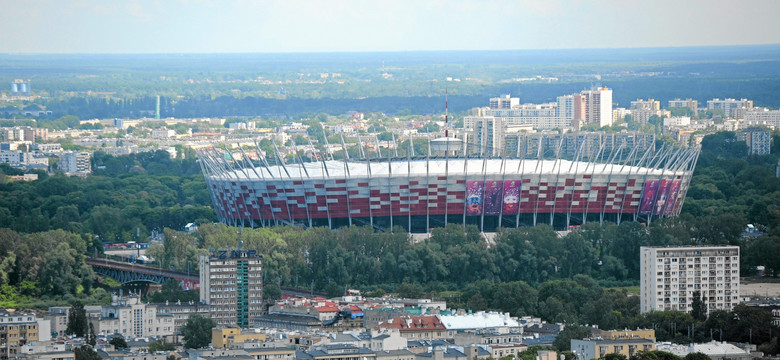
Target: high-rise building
(649, 104)
(731, 108)
(670, 275)
(757, 140)
(763, 117)
(75, 163)
(598, 106)
(231, 284)
(488, 135)
(689, 103)
(504, 102)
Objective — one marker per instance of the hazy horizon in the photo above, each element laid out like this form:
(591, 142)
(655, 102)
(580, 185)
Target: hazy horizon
(299, 26)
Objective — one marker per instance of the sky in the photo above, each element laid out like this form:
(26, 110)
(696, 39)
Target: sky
(264, 26)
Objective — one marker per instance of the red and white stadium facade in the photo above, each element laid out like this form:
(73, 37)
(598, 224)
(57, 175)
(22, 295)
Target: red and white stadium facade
(419, 193)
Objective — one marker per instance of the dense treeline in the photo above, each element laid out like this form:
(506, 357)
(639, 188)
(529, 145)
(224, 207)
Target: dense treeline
(46, 268)
(394, 98)
(127, 195)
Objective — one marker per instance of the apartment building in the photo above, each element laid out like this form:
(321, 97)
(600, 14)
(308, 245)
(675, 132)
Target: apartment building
(731, 108)
(17, 330)
(757, 140)
(231, 284)
(75, 163)
(670, 275)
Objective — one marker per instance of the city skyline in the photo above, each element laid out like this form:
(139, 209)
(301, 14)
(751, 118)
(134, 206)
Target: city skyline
(147, 26)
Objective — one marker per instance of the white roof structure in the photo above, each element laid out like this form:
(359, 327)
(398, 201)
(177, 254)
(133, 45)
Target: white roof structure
(480, 320)
(718, 348)
(452, 167)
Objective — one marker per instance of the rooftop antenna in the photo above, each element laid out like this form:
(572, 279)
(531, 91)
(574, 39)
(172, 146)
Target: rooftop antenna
(446, 115)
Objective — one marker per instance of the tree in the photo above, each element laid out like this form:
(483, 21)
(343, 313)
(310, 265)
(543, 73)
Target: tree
(697, 356)
(156, 346)
(698, 307)
(614, 356)
(77, 320)
(197, 331)
(571, 331)
(91, 338)
(118, 342)
(86, 352)
(411, 291)
(271, 292)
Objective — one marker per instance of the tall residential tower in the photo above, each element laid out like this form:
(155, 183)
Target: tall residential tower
(231, 284)
(670, 275)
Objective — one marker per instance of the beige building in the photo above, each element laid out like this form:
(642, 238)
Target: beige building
(182, 312)
(285, 353)
(670, 275)
(231, 284)
(129, 317)
(499, 351)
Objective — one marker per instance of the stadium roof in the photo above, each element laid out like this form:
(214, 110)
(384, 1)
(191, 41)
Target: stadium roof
(452, 167)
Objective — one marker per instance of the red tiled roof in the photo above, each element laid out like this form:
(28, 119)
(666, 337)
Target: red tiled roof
(324, 309)
(414, 323)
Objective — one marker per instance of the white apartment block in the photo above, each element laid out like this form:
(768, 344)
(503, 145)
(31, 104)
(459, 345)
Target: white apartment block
(129, 317)
(75, 162)
(504, 102)
(670, 275)
(763, 117)
(598, 106)
(677, 121)
(649, 104)
(689, 103)
(731, 108)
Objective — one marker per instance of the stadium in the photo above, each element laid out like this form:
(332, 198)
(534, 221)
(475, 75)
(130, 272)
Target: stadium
(419, 193)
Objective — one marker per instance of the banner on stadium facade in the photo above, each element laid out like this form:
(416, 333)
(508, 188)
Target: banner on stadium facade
(511, 197)
(662, 198)
(474, 196)
(648, 197)
(671, 200)
(493, 192)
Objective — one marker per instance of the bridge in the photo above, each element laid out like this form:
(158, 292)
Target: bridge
(125, 272)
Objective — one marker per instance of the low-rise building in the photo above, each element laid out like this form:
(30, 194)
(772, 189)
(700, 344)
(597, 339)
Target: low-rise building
(336, 352)
(595, 348)
(227, 338)
(129, 317)
(418, 327)
(275, 353)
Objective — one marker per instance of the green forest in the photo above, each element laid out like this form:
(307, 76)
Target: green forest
(584, 277)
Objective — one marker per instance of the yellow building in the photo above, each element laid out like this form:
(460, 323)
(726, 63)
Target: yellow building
(227, 337)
